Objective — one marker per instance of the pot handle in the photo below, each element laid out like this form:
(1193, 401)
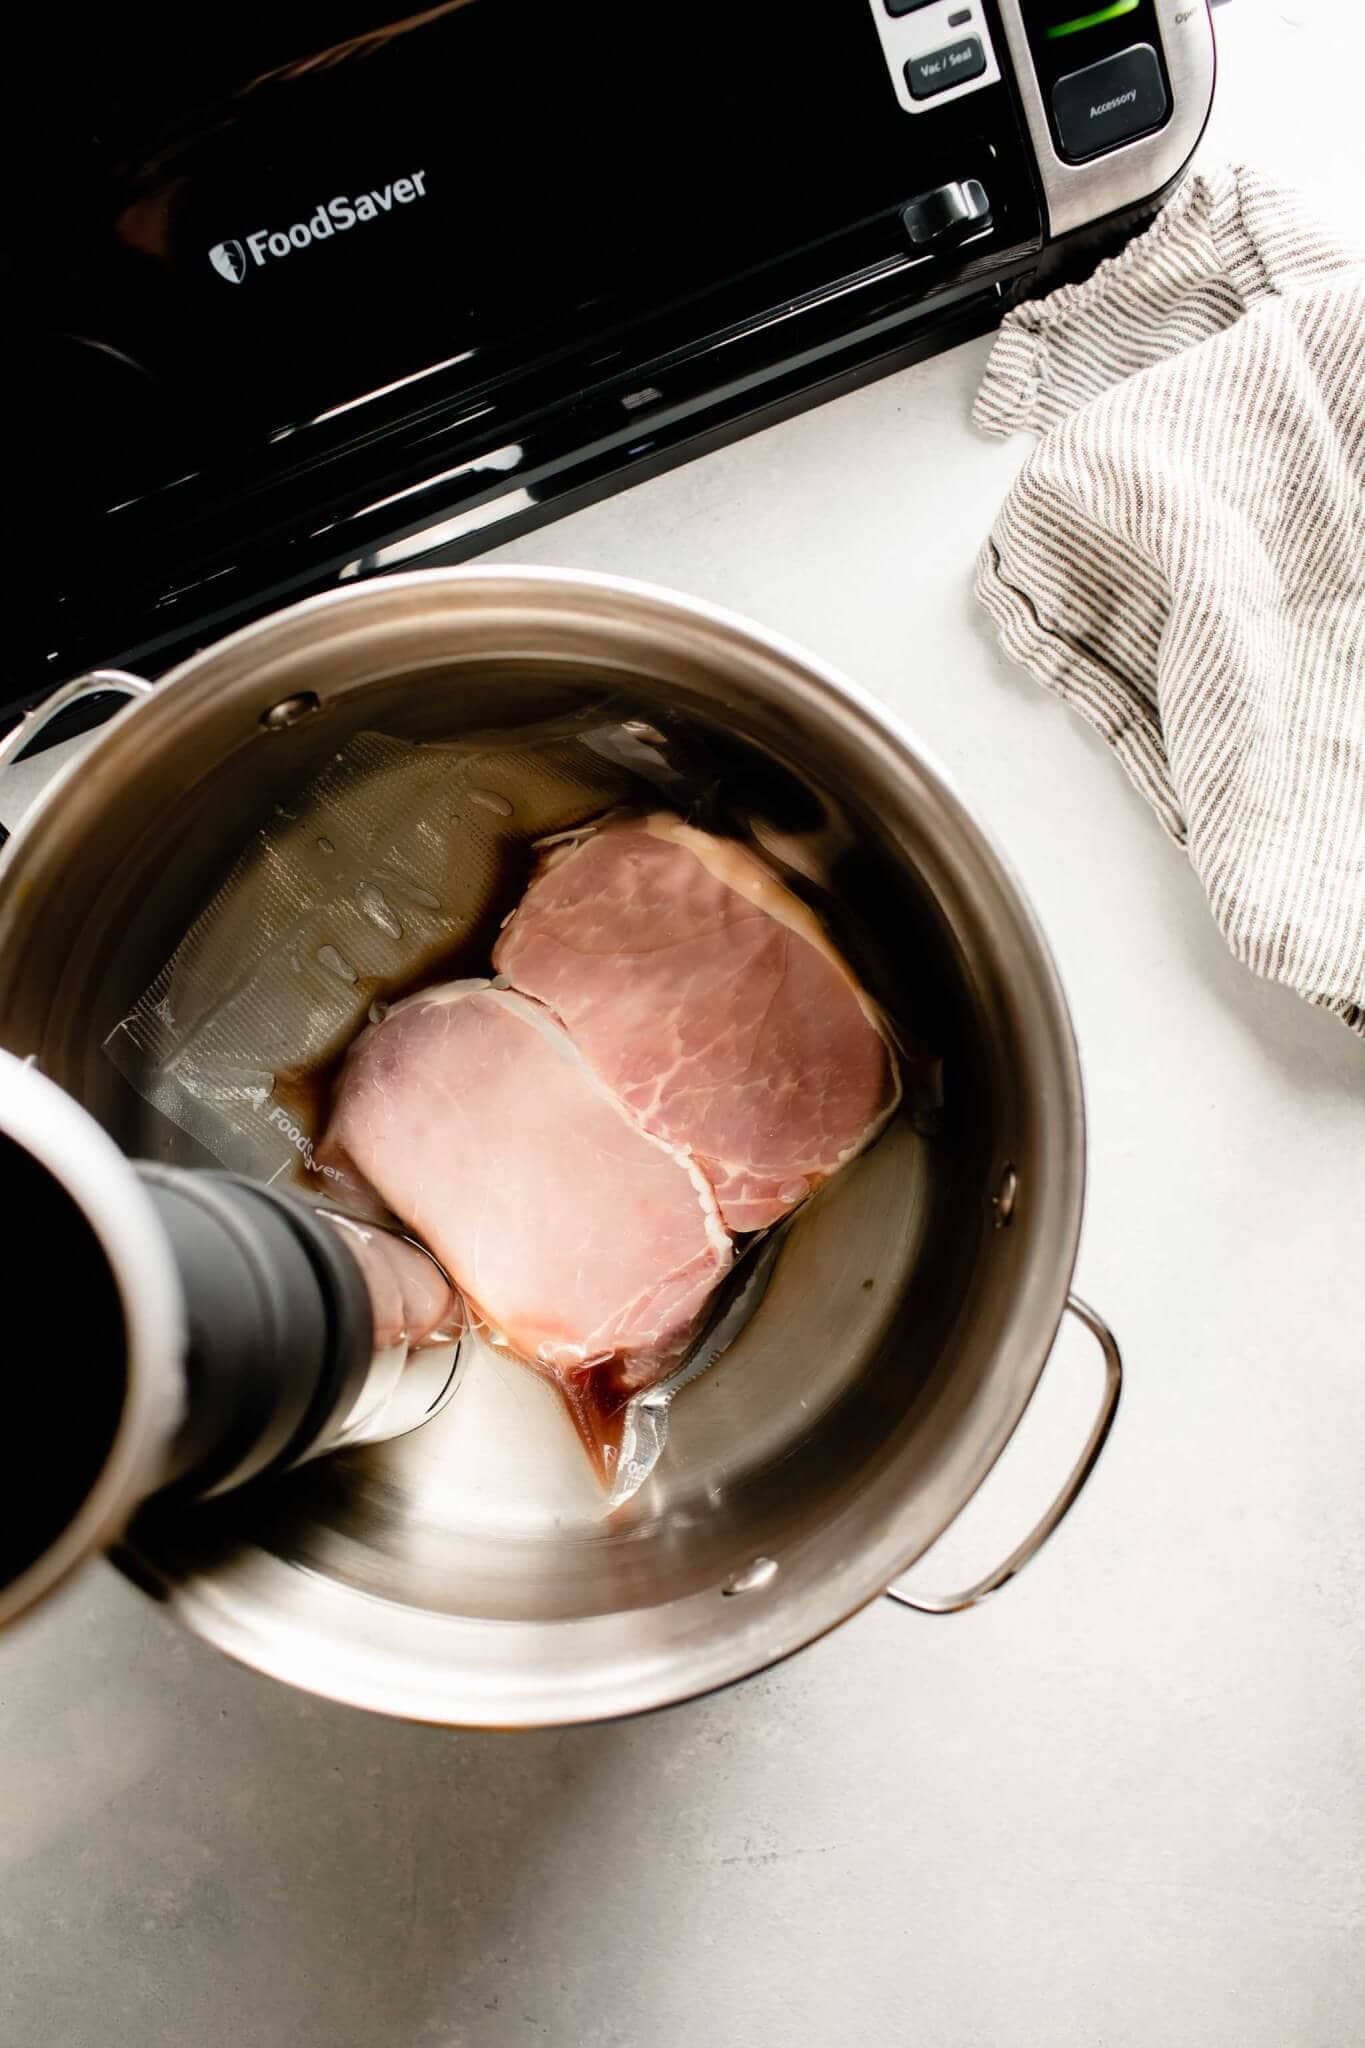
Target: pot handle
(1076, 1478)
(45, 738)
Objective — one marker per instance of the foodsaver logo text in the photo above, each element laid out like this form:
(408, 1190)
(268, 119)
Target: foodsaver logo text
(233, 259)
(301, 1143)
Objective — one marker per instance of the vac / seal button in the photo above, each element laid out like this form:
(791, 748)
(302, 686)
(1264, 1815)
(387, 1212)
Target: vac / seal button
(895, 7)
(1109, 102)
(940, 70)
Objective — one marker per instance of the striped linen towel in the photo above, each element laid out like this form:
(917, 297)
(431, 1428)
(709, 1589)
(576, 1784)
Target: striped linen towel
(1182, 556)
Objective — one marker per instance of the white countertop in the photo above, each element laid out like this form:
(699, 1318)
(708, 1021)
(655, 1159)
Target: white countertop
(1121, 1805)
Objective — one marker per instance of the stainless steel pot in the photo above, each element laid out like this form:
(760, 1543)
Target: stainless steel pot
(915, 1303)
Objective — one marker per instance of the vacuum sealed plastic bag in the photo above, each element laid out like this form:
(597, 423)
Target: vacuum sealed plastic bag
(599, 1143)
(680, 1060)
(396, 859)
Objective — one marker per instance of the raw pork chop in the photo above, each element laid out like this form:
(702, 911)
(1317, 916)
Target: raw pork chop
(708, 998)
(581, 1241)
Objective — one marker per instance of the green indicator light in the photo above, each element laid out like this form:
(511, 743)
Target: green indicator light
(1109, 13)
